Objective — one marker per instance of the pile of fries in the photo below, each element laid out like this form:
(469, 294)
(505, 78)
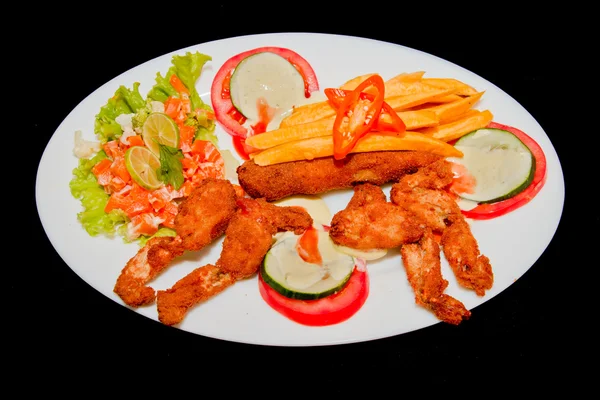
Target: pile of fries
(436, 111)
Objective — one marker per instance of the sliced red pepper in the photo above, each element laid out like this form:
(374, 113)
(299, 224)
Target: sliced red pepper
(389, 120)
(489, 211)
(356, 116)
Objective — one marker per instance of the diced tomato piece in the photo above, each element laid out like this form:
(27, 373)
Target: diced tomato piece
(186, 136)
(308, 246)
(114, 148)
(178, 84)
(167, 214)
(102, 171)
(135, 140)
(133, 201)
(119, 169)
(143, 224)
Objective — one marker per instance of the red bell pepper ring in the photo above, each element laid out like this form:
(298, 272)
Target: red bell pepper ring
(389, 121)
(356, 116)
(493, 210)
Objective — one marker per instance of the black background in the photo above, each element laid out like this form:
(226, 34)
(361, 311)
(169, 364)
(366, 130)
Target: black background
(526, 334)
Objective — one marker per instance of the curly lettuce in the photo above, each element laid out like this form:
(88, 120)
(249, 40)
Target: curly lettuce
(85, 187)
(124, 101)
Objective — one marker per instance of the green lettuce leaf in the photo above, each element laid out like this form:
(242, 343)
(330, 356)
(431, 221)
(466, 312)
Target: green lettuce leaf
(188, 68)
(124, 101)
(85, 187)
(170, 170)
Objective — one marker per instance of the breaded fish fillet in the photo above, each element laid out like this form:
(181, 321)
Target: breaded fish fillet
(277, 181)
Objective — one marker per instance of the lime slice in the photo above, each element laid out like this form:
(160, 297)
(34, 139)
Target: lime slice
(160, 128)
(142, 164)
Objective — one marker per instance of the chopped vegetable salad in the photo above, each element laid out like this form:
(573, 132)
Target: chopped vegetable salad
(113, 184)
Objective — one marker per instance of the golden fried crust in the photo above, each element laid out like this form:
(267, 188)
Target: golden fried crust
(142, 268)
(277, 181)
(366, 193)
(250, 234)
(436, 175)
(197, 286)
(377, 225)
(433, 207)
(421, 261)
(203, 216)
(472, 270)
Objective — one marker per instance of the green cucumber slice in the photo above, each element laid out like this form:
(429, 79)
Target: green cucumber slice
(269, 76)
(502, 165)
(287, 273)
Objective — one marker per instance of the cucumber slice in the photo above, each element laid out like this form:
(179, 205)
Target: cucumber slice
(286, 272)
(500, 162)
(268, 76)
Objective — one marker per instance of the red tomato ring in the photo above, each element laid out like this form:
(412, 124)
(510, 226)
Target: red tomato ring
(223, 107)
(329, 310)
(493, 210)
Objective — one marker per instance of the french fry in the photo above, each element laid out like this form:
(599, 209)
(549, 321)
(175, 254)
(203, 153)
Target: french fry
(462, 89)
(418, 119)
(448, 99)
(354, 82)
(448, 111)
(406, 77)
(389, 84)
(403, 102)
(321, 127)
(316, 147)
(308, 113)
(456, 129)
(466, 114)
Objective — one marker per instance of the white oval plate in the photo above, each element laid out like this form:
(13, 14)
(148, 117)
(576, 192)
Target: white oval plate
(513, 242)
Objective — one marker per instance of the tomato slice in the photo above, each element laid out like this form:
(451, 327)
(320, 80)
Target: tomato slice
(356, 116)
(326, 311)
(308, 247)
(389, 120)
(230, 119)
(489, 211)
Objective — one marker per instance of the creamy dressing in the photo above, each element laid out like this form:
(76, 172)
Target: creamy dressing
(286, 265)
(493, 169)
(314, 205)
(367, 255)
(321, 214)
(266, 78)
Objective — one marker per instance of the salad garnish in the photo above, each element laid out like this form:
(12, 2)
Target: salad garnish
(134, 194)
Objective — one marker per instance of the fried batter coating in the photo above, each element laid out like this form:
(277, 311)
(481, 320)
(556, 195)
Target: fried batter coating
(371, 222)
(203, 216)
(366, 193)
(274, 182)
(198, 285)
(248, 238)
(472, 270)
(142, 268)
(436, 175)
(423, 269)
(422, 195)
